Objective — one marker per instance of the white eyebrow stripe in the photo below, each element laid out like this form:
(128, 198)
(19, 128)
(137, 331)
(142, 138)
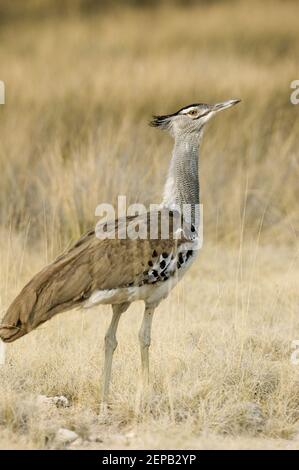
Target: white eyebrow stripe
(187, 110)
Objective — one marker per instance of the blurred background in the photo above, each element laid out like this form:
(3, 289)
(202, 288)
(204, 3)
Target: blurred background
(83, 78)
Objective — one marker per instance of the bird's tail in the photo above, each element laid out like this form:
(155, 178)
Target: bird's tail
(16, 322)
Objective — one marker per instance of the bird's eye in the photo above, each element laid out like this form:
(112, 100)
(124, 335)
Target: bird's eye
(193, 112)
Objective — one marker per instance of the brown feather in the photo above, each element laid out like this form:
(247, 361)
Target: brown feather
(91, 264)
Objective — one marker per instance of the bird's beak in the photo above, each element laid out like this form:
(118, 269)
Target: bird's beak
(226, 104)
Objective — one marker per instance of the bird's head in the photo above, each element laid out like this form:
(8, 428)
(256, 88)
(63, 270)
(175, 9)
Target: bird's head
(190, 119)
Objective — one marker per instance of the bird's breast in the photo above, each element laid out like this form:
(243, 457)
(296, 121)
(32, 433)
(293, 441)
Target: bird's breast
(154, 283)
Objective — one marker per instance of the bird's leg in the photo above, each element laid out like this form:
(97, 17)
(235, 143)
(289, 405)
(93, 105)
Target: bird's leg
(145, 341)
(110, 346)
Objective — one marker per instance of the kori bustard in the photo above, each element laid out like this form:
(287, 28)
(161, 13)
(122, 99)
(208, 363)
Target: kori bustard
(119, 271)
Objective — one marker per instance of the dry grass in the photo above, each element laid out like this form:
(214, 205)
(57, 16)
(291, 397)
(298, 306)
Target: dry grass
(225, 345)
(80, 90)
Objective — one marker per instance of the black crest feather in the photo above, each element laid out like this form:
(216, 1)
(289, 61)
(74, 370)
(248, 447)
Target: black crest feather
(161, 121)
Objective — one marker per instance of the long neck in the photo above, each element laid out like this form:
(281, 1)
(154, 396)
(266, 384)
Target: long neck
(182, 184)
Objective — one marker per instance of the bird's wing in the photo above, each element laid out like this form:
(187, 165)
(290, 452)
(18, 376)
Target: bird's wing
(96, 263)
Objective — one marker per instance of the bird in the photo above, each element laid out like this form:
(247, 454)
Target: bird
(122, 269)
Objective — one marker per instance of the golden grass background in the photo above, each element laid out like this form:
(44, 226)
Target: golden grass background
(82, 79)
